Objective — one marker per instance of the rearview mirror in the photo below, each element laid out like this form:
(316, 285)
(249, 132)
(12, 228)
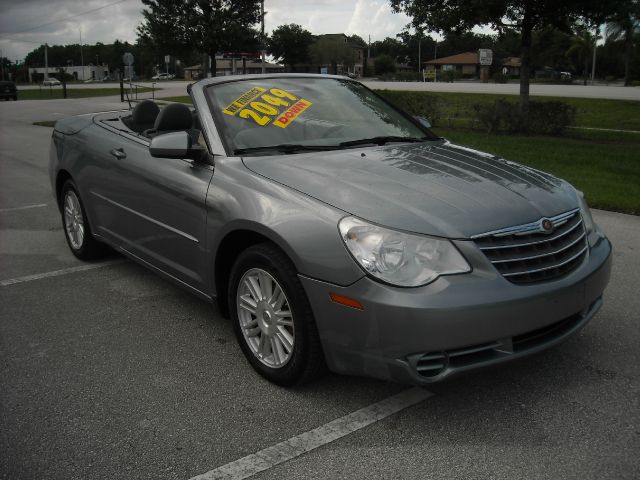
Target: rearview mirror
(175, 145)
(423, 121)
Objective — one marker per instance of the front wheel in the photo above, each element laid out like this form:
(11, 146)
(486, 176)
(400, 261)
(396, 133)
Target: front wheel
(76, 226)
(272, 317)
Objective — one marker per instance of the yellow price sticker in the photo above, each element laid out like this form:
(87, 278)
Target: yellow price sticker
(276, 106)
(244, 99)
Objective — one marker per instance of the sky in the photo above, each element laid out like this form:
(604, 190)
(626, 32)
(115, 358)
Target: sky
(25, 24)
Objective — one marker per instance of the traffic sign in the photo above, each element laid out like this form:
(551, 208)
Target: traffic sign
(127, 59)
(486, 56)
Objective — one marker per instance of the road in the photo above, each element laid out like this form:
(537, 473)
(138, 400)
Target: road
(613, 92)
(114, 373)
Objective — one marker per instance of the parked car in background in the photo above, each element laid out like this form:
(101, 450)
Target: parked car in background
(8, 90)
(51, 82)
(163, 76)
(334, 228)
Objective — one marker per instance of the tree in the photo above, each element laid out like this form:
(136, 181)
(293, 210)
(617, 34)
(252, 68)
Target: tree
(290, 44)
(582, 45)
(523, 16)
(391, 47)
(623, 25)
(334, 51)
(384, 64)
(209, 26)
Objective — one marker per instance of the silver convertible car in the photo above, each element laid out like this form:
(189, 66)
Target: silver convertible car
(334, 229)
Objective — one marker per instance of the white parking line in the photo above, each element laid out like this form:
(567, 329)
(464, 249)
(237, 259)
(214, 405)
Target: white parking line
(305, 442)
(13, 209)
(57, 273)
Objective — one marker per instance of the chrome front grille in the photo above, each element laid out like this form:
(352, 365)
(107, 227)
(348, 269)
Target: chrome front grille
(531, 253)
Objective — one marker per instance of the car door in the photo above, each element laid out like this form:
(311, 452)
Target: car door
(154, 208)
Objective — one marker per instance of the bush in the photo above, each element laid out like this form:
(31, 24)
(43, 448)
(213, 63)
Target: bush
(401, 77)
(499, 77)
(384, 64)
(448, 76)
(635, 83)
(550, 118)
(416, 103)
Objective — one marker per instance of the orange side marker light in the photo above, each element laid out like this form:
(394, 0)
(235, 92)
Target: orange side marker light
(346, 301)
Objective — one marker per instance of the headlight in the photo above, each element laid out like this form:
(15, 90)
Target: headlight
(400, 258)
(589, 224)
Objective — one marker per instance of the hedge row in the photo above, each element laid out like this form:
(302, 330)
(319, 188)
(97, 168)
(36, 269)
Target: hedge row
(544, 117)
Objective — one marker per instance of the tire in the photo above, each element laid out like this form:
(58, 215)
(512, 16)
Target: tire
(290, 353)
(76, 226)
(15, 98)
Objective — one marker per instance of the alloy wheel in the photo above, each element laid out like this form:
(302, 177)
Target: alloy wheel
(73, 220)
(265, 318)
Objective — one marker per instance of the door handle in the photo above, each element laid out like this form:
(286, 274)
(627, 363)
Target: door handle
(118, 153)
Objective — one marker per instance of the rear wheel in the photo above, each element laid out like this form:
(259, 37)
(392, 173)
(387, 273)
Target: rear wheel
(76, 226)
(272, 317)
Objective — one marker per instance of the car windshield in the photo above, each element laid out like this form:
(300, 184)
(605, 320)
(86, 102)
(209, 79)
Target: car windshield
(268, 116)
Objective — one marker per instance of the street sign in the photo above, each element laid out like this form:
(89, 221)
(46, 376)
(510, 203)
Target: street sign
(127, 58)
(167, 58)
(486, 56)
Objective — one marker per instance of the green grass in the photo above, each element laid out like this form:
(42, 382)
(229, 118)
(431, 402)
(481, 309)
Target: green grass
(604, 165)
(457, 108)
(181, 99)
(47, 94)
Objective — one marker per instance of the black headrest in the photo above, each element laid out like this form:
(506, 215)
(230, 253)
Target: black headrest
(145, 112)
(175, 116)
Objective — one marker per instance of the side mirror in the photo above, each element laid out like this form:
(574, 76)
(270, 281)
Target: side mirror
(175, 145)
(423, 121)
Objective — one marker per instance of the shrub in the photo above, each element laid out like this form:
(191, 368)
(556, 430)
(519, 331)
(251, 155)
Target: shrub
(384, 64)
(635, 83)
(448, 76)
(499, 77)
(416, 103)
(409, 76)
(551, 117)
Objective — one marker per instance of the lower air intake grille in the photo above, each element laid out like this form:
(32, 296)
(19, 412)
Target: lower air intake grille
(538, 251)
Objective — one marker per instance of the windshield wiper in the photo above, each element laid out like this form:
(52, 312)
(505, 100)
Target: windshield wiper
(381, 140)
(285, 148)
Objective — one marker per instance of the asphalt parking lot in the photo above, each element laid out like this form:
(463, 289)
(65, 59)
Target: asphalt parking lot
(111, 372)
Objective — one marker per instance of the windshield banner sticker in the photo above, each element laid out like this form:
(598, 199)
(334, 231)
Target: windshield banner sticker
(242, 101)
(290, 114)
(276, 106)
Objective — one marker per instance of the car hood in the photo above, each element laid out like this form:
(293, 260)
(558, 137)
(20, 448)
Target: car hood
(436, 188)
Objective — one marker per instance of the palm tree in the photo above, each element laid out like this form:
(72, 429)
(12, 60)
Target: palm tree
(582, 44)
(622, 26)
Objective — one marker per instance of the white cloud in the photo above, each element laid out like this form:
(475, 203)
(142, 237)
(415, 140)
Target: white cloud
(375, 18)
(362, 17)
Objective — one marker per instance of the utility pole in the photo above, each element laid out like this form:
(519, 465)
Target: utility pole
(593, 64)
(81, 55)
(262, 53)
(46, 62)
(2, 60)
(369, 48)
(419, 53)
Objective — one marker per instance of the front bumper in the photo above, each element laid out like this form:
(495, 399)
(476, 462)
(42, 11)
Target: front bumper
(457, 323)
